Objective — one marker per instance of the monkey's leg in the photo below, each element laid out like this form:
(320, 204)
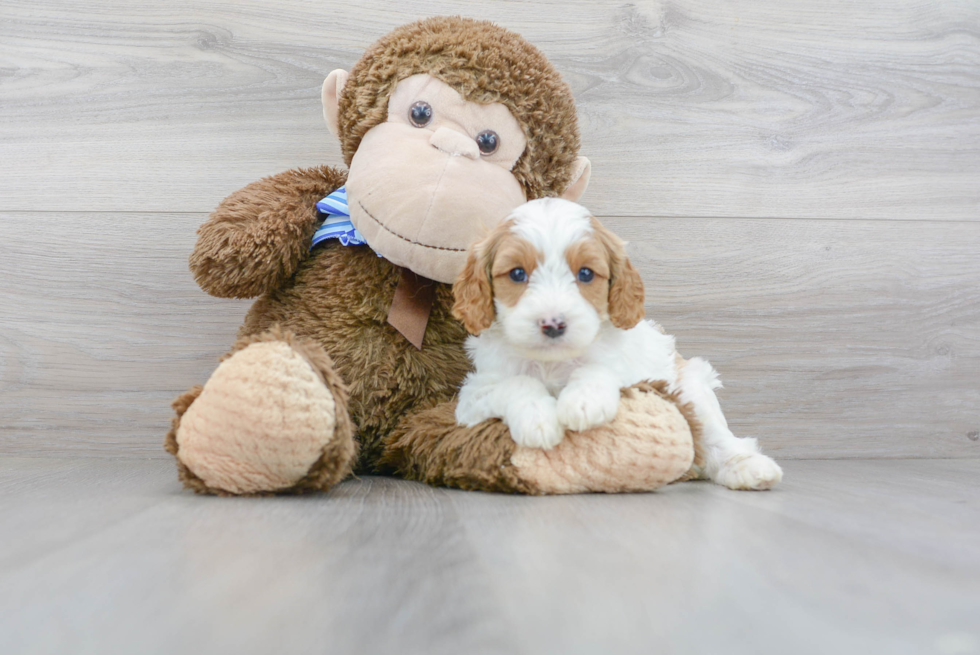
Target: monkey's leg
(271, 419)
(650, 443)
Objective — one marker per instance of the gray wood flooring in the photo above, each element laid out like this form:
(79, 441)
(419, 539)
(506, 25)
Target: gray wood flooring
(110, 556)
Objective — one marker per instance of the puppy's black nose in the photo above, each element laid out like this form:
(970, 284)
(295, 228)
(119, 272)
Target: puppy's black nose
(552, 327)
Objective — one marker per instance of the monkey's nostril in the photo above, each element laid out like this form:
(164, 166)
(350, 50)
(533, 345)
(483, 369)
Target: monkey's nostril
(454, 144)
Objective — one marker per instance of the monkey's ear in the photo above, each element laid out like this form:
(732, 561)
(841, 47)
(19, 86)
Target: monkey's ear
(332, 86)
(581, 172)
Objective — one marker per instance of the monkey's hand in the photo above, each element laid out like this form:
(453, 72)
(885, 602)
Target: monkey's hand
(259, 235)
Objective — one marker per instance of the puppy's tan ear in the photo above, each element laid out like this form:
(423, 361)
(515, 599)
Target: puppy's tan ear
(626, 296)
(625, 284)
(473, 290)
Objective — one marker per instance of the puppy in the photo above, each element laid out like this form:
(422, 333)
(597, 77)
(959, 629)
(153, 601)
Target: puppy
(555, 312)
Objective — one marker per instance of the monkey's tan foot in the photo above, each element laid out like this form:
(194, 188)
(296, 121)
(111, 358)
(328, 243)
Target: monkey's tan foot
(271, 419)
(650, 443)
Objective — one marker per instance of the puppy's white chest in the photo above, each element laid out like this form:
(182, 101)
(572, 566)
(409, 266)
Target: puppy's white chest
(554, 375)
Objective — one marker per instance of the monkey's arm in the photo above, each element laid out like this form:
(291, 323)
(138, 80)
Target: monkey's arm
(258, 236)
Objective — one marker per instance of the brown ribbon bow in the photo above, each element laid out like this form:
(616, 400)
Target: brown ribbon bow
(412, 305)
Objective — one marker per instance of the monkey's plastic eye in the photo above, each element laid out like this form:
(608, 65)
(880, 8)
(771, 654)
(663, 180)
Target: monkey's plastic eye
(488, 142)
(420, 114)
(518, 275)
(585, 274)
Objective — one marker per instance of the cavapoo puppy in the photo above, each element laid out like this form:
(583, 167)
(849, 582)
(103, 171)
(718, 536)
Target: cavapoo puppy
(555, 310)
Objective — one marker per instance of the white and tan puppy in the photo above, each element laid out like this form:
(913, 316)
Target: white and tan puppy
(555, 310)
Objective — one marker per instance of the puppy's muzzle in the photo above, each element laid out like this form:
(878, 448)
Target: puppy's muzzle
(552, 327)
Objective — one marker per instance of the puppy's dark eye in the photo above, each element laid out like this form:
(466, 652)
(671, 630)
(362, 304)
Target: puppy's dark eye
(488, 142)
(420, 114)
(585, 274)
(518, 275)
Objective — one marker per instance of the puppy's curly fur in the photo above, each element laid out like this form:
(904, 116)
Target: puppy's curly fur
(556, 309)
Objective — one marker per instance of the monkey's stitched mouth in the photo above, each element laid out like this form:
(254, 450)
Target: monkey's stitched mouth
(404, 238)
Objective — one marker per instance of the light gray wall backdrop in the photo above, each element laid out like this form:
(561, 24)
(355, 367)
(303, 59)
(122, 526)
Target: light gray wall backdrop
(799, 181)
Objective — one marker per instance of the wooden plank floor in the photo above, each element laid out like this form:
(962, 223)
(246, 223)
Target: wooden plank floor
(103, 556)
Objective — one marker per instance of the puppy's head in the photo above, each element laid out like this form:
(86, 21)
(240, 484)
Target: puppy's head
(550, 274)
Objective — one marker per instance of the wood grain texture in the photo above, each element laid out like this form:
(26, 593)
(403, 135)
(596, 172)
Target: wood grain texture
(845, 557)
(689, 108)
(834, 338)
(100, 323)
(121, 123)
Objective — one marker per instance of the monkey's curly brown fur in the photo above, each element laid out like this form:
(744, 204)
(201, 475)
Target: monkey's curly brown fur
(257, 242)
(335, 296)
(257, 237)
(340, 298)
(330, 305)
(485, 63)
(333, 311)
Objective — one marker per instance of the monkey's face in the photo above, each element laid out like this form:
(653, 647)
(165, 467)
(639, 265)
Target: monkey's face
(435, 177)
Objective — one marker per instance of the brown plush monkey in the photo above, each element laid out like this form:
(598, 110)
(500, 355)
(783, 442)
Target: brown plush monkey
(446, 125)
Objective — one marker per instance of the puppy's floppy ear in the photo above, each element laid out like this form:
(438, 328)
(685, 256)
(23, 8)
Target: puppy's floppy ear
(625, 284)
(473, 290)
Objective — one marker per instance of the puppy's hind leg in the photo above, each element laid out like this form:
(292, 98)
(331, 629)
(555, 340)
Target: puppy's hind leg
(729, 461)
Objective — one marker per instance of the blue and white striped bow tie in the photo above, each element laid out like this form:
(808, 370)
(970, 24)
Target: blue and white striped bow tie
(337, 225)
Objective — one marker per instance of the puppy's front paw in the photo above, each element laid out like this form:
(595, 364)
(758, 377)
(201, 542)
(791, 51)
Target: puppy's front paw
(749, 471)
(534, 424)
(581, 408)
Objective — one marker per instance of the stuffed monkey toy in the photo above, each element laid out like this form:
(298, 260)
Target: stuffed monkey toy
(349, 360)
